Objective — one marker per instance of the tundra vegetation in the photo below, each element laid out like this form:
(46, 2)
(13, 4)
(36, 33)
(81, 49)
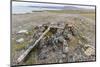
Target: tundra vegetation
(75, 42)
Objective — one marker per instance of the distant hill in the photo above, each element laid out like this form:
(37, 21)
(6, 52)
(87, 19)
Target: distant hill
(63, 8)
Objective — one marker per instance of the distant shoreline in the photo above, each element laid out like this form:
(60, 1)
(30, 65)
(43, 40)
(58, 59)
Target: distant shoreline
(58, 11)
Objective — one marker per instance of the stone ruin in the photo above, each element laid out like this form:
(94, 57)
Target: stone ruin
(61, 44)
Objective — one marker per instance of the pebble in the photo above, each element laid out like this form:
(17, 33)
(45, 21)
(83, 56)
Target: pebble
(60, 61)
(20, 26)
(65, 43)
(69, 25)
(69, 36)
(13, 38)
(61, 38)
(80, 42)
(23, 32)
(89, 51)
(42, 55)
(20, 40)
(41, 29)
(63, 55)
(65, 50)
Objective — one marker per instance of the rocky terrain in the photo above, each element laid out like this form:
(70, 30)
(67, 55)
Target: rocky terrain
(73, 42)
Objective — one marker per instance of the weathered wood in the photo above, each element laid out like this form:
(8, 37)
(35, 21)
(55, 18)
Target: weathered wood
(22, 57)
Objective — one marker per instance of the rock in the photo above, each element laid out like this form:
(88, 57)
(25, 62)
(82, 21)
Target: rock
(23, 32)
(69, 36)
(61, 39)
(20, 40)
(59, 31)
(20, 27)
(65, 44)
(69, 25)
(13, 38)
(63, 55)
(45, 46)
(31, 40)
(65, 33)
(60, 61)
(80, 42)
(55, 41)
(65, 50)
(41, 29)
(42, 55)
(89, 51)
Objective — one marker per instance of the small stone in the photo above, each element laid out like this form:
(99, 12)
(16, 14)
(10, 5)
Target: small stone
(69, 25)
(23, 32)
(31, 40)
(60, 39)
(65, 50)
(20, 40)
(80, 42)
(89, 51)
(59, 31)
(42, 55)
(69, 36)
(45, 46)
(63, 55)
(60, 61)
(65, 43)
(20, 26)
(13, 38)
(41, 29)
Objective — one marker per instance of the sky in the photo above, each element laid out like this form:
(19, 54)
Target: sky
(45, 4)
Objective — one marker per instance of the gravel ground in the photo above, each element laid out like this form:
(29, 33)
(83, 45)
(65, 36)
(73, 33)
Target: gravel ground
(79, 46)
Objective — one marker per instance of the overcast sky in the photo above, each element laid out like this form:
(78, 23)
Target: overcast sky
(45, 4)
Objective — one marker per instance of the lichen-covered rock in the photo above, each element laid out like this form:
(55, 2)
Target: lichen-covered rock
(89, 51)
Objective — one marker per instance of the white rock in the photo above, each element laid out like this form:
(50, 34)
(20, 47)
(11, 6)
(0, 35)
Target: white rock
(70, 36)
(89, 51)
(69, 25)
(60, 61)
(12, 38)
(65, 43)
(20, 26)
(40, 25)
(20, 40)
(80, 42)
(65, 50)
(23, 31)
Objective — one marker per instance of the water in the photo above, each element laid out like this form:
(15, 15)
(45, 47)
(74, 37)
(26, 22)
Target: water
(26, 9)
